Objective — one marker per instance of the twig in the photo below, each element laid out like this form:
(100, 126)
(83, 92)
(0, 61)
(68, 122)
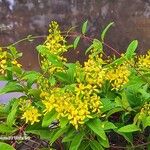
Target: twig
(134, 146)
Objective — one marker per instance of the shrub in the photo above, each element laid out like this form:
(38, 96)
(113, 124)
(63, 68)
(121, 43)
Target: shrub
(76, 105)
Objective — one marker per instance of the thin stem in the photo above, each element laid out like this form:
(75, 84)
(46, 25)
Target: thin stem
(134, 146)
(74, 34)
(24, 39)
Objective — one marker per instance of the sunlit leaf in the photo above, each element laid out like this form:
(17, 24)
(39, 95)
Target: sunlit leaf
(105, 30)
(76, 141)
(131, 49)
(95, 125)
(84, 27)
(76, 41)
(95, 145)
(48, 118)
(12, 114)
(129, 128)
(4, 146)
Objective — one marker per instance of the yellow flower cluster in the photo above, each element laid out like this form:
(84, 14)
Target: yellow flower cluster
(30, 113)
(51, 68)
(6, 61)
(94, 73)
(3, 61)
(55, 42)
(118, 76)
(145, 111)
(76, 106)
(144, 61)
(43, 83)
(15, 63)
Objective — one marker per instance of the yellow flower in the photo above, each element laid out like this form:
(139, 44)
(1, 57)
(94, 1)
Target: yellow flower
(144, 61)
(75, 106)
(118, 76)
(3, 61)
(31, 115)
(145, 111)
(15, 63)
(55, 42)
(43, 84)
(94, 73)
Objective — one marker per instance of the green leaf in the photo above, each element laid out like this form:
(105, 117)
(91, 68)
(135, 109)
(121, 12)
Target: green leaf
(42, 50)
(11, 116)
(67, 76)
(144, 92)
(4, 146)
(54, 60)
(59, 133)
(43, 133)
(106, 125)
(97, 46)
(3, 78)
(71, 72)
(50, 56)
(34, 92)
(69, 135)
(127, 136)
(76, 141)
(11, 87)
(146, 122)
(84, 145)
(131, 49)
(76, 41)
(135, 83)
(15, 69)
(104, 143)
(107, 104)
(8, 106)
(63, 122)
(129, 128)
(88, 49)
(14, 52)
(123, 102)
(118, 61)
(4, 128)
(84, 27)
(95, 125)
(95, 145)
(105, 30)
(62, 76)
(52, 80)
(49, 118)
(31, 77)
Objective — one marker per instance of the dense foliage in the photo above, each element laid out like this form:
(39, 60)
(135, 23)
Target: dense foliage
(77, 104)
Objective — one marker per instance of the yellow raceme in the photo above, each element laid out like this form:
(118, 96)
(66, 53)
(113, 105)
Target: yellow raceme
(15, 63)
(144, 61)
(55, 42)
(145, 111)
(94, 73)
(76, 106)
(118, 76)
(31, 115)
(3, 61)
(6, 61)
